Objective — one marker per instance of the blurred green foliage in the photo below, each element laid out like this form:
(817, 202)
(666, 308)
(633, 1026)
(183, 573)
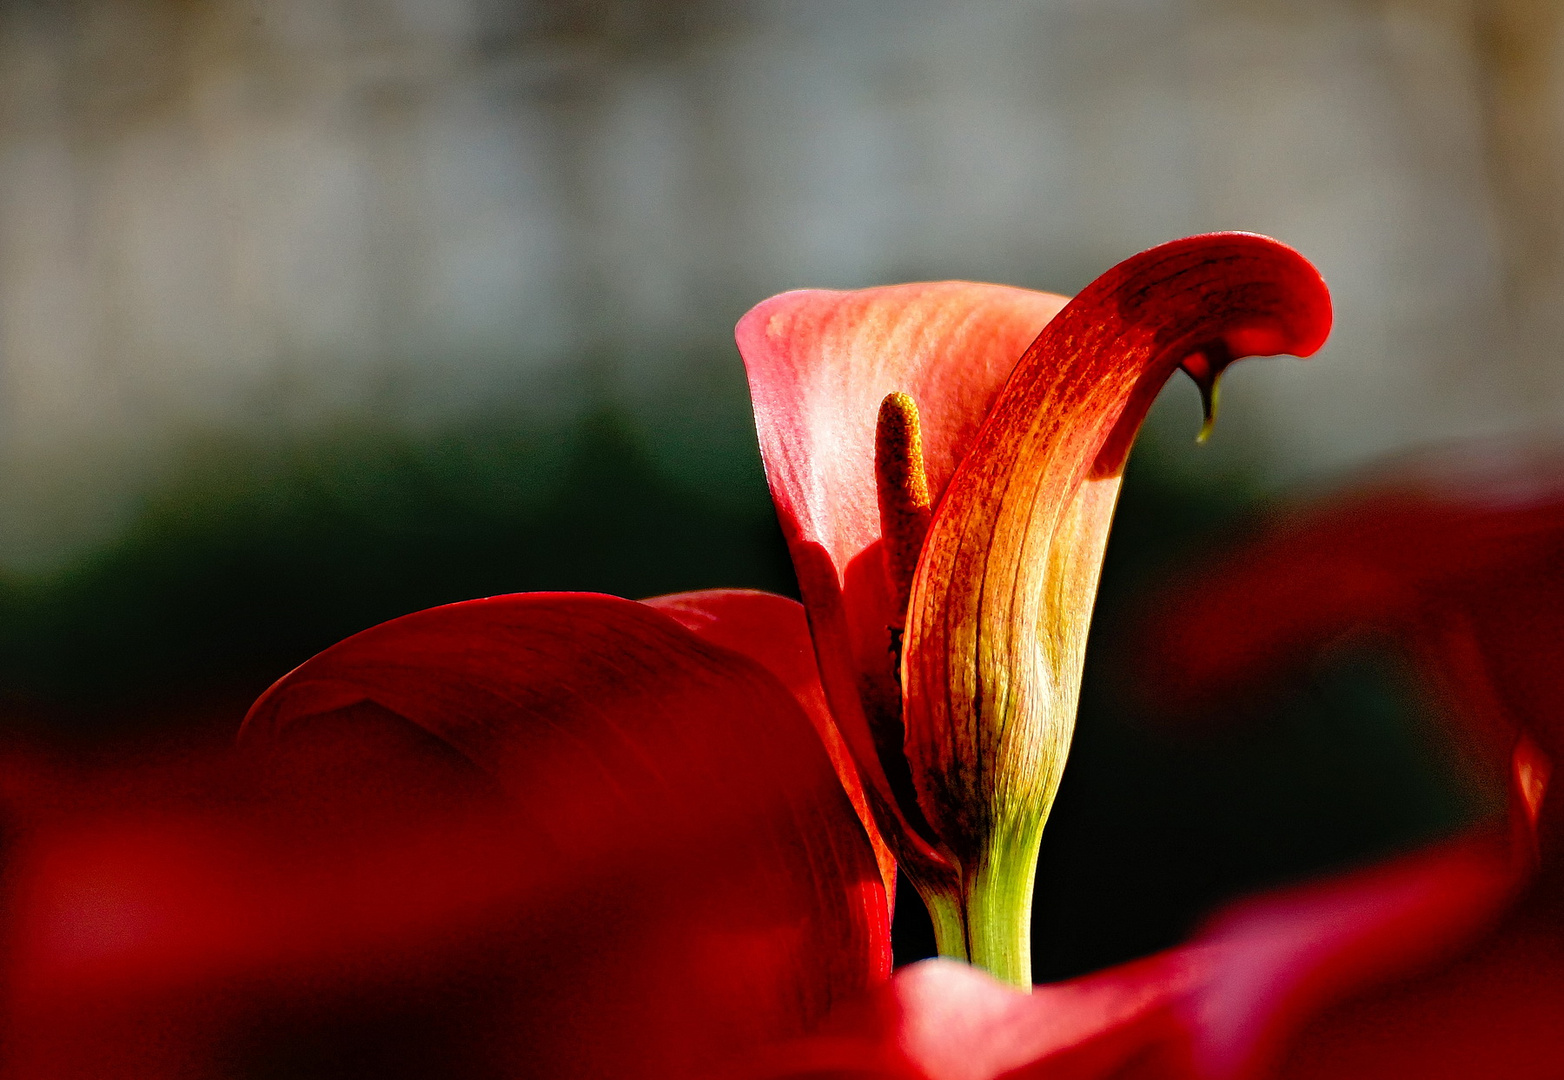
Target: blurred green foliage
(255, 555)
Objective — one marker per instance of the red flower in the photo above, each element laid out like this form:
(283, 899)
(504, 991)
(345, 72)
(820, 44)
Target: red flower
(947, 509)
(1459, 563)
(586, 836)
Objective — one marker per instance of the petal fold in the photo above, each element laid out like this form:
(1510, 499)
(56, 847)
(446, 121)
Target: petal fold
(944, 1020)
(774, 632)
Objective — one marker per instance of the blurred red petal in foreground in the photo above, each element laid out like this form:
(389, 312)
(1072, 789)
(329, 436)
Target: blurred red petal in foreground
(945, 1020)
(551, 835)
(1225, 1006)
(1457, 562)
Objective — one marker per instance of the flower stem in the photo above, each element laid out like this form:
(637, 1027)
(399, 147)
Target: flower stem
(950, 924)
(999, 907)
(989, 922)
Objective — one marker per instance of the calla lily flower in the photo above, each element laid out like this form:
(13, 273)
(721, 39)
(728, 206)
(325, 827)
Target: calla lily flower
(1455, 562)
(947, 509)
(592, 836)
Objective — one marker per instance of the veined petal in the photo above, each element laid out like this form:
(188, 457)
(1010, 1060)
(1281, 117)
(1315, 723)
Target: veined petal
(997, 623)
(774, 632)
(819, 365)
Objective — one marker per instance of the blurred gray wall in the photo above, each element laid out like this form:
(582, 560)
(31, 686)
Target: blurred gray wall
(265, 215)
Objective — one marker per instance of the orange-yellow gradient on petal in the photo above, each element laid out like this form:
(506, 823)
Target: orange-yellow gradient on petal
(997, 624)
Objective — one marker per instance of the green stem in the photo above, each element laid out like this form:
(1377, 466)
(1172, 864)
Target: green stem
(988, 923)
(950, 924)
(999, 907)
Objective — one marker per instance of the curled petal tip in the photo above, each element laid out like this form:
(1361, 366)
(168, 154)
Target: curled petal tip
(1262, 296)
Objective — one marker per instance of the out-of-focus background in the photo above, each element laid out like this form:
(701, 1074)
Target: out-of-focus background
(314, 312)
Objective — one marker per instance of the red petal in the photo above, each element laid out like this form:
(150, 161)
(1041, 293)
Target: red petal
(1227, 1006)
(176, 921)
(944, 1020)
(607, 722)
(1281, 958)
(773, 631)
(819, 364)
(996, 627)
(1493, 1012)
(1404, 973)
(639, 861)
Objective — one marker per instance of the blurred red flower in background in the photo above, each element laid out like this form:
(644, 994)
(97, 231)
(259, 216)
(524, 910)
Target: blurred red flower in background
(567, 834)
(1456, 562)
